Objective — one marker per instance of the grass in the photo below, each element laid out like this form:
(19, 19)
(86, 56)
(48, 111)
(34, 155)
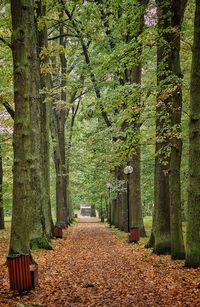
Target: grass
(147, 221)
(147, 224)
(120, 234)
(7, 219)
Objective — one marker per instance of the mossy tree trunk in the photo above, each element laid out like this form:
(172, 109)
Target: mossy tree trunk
(168, 153)
(73, 114)
(61, 210)
(45, 128)
(57, 126)
(134, 76)
(62, 120)
(58, 121)
(27, 210)
(161, 229)
(121, 201)
(193, 210)
(177, 244)
(136, 218)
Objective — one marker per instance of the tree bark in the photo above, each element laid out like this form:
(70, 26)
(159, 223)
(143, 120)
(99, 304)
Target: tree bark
(193, 218)
(177, 244)
(161, 229)
(27, 210)
(169, 65)
(121, 201)
(136, 218)
(61, 123)
(61, 209)
(45, 129)
(133, 76)
(58, 120)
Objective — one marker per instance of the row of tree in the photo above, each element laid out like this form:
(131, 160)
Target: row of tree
(66, 69)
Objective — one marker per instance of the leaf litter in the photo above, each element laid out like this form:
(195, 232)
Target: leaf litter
(92, 266)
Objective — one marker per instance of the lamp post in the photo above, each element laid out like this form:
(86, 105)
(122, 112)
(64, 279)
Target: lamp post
(127, 171)
(101, 208)
(109, 186)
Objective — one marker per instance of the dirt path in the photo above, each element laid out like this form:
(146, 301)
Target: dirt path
(91, 266)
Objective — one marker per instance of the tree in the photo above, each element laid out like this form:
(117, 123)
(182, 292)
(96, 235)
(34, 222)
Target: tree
(193, 210)
(60, 112)
(166, 233)
(177, 244)
(27, 210)
(47, 221)
(134, 76)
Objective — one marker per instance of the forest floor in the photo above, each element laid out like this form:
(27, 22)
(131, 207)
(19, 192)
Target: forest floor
(93, 266)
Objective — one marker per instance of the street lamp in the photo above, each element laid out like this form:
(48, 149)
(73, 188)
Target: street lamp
(127, 171)
(109, 186)
(101, 208)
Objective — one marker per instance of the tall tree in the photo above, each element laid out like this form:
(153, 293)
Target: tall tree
(27, 211)
(161, 224)
(133, 76)
(193, 210)
(177, 244)
(61, 119)
(58, 126)
(47, 220)
(167, 234)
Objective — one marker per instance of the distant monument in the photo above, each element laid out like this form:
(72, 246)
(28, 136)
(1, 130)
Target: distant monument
(85, 210)
(88, 210)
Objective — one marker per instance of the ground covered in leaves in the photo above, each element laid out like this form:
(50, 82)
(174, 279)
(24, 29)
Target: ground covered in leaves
(92, 266)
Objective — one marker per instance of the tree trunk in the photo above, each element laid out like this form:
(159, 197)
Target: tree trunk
(136, 218)
(169, 64)
(62, 121)
(59, 115)
(121, 201)
(58, 118)
(161, 229)
(27, 211)
(177, 244)
(45, 129)
(193, 219)
(2, 225)
(133, 76)
(162, 201)
(61, 210)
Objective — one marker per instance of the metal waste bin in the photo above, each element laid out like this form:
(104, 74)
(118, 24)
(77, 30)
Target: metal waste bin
(58, 232)
(19, 272)
(134, 235)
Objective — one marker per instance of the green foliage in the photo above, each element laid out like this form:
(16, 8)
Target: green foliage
(113, 42)
(90, 161)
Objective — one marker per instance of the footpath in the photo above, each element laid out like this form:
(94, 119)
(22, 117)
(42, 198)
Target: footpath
(92, 266)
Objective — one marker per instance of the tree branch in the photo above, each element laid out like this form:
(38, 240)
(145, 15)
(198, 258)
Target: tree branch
(5, 42)
(87, 60)
(9, 109)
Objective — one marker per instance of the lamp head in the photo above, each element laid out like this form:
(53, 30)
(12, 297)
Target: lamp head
(128, 169)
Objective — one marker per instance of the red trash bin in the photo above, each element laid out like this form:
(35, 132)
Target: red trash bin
(19, 272)
(58, 232)
(134, 235)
